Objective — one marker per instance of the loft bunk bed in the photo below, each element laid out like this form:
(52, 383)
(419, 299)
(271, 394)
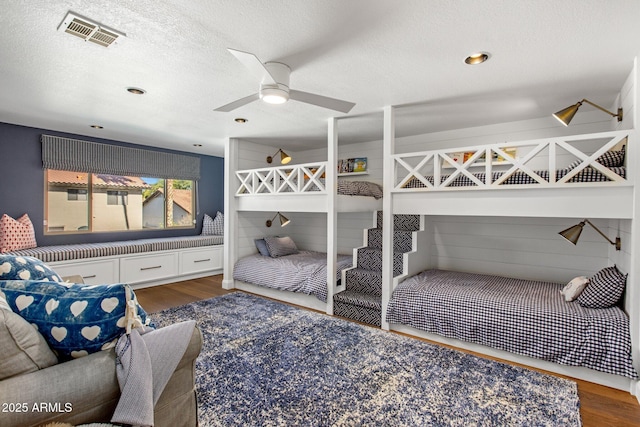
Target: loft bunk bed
(303, 188)
(516, 180)
(573, 177)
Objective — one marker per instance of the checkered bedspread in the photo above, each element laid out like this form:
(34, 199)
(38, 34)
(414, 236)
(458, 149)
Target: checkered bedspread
(518, 178)
(526, 317)
(304, 272)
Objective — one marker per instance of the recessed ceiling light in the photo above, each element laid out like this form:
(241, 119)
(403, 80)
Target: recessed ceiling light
(240, 120)
(136, 90)
(97, 126)
(476, 58)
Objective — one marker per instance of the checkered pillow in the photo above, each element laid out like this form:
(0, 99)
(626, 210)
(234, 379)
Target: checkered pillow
(16, 234)
(612, 159)
(604, 290)
(359, 188)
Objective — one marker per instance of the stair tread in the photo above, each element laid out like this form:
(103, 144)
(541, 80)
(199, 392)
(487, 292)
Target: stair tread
(365, 271)
(374, 249)
(359, 299)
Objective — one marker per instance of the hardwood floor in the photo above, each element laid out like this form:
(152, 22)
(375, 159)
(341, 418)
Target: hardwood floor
(599, 406)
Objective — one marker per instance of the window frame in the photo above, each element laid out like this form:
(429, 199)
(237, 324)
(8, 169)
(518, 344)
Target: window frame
(90, 209)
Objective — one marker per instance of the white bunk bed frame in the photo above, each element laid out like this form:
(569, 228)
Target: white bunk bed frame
(291, 188)
(274, 189)
(617, 198)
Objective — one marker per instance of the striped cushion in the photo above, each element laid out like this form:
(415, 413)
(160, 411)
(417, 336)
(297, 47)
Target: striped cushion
(280, 246)
(92, 250)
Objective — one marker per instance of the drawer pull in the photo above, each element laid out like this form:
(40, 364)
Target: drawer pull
(89, 277)
(202, 260)
(150, 268)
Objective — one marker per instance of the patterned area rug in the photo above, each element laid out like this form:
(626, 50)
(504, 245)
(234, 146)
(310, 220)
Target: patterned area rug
(266, 363)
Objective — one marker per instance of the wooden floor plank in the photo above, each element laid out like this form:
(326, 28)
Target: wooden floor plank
(599, 405)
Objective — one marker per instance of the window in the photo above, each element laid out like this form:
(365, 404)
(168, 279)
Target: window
(81, 202)
(75, 194)
(117, 197)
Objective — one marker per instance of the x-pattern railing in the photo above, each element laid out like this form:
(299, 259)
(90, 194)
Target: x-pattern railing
(424, 170)
(305, 178)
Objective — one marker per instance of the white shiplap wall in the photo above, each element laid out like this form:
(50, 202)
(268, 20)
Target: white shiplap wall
(528, 248)
(372, 150)
(309, 230)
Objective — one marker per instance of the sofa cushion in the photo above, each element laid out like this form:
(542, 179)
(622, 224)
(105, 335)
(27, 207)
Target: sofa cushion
(75, 319)
(25, 268)
(16, 233)
(24, 350)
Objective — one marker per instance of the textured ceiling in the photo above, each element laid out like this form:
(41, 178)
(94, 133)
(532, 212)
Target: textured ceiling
(545, 55)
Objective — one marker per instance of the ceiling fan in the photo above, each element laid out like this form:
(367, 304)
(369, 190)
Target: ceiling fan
(274, 86)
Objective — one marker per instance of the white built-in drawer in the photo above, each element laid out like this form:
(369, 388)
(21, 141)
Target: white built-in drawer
(143, 268)
(199, 260)
(92, 272)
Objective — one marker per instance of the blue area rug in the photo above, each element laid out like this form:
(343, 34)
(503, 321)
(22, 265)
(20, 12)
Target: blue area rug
(266, 363)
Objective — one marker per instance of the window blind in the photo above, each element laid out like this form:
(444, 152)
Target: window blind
(83, 156)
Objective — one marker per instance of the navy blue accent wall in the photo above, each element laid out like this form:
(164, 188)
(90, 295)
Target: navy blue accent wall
(22, 186)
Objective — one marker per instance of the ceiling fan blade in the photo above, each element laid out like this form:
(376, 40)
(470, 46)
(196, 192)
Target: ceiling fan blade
(239, 103)
(254, 65)
(321, 101)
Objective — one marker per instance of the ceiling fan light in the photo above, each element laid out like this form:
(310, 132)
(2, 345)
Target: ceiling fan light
(274, 95)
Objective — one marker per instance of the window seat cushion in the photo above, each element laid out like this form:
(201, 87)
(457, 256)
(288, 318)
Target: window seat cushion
(93, 250)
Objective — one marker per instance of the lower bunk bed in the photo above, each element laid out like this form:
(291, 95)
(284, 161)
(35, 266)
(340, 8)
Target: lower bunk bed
(513, 316)
(299, 278)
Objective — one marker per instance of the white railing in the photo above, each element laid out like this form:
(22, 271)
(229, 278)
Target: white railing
(438, 170)
(298, 179)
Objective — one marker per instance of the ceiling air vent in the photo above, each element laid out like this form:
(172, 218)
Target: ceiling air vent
(89, 30)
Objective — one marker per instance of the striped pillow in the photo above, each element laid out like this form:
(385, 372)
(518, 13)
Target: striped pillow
(280, 246)
(218, 224)
(207, 226)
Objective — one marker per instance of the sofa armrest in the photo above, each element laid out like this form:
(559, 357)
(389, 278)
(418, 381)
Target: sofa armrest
(86, 390)
(177, 405)
(78, 391)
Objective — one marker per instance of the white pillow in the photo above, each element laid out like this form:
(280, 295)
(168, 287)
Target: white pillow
(574, 288)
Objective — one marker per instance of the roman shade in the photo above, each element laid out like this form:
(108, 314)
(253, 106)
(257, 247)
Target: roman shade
(83, 156)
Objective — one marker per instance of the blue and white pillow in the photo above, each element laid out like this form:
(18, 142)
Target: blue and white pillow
(280, 246)
(75, 319)
(604, 290)
(25, 268)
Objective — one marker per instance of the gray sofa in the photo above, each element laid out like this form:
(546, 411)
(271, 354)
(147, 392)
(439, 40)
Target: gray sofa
(86, 390)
